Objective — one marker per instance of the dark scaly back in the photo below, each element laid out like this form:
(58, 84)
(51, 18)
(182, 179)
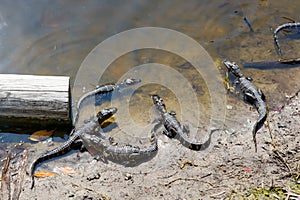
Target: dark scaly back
(129, 155)
(102, 116)
(174, 129)
(280, 28)
(99, 91)
(88, 97)
(159, 103)
(252, 95)
(65, 147)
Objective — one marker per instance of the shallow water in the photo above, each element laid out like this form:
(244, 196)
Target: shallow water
(54, 38)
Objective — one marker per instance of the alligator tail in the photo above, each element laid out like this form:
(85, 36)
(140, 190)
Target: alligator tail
(153, 147)
(258, 124)
(64, 148)
(195, 146)
(187, 143)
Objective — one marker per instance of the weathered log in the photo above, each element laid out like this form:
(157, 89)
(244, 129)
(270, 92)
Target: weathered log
(29, 100)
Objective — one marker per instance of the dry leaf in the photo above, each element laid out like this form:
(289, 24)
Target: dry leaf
(44, 174)
(41, 135)
(67, 170)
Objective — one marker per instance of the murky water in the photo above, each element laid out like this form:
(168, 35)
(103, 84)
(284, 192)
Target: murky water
(54, 37)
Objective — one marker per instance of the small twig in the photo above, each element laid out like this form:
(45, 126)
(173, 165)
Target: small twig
(86, 188)
(187, 162)
(275, 196)
(217, 194)
(188, 179)
(168, 176)
(291, 195)
(289, 19)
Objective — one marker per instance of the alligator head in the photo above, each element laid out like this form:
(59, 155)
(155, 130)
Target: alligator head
(233, 68)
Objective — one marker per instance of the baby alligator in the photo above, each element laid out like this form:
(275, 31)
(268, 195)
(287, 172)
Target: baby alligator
(293, 25)
(173, 128)
(251, 95)
(100, 90)
(126, 155)
(65, 147)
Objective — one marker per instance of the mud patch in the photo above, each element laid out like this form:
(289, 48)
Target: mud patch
(230, 169)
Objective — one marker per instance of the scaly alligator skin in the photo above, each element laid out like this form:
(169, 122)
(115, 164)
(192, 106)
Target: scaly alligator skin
(128, 152)
(280, 28)
(251, 95)
(65, 147)
(173, 128)
(100, 90)
(127, 155)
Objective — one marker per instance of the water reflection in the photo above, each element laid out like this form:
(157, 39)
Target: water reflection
(52, 37)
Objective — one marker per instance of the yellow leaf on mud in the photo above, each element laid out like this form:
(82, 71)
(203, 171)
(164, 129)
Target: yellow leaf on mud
(41, 135)
(44, 174)
(67, 170)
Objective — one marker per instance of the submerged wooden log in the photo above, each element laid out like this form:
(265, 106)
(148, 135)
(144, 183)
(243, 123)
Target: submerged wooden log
(29, 100)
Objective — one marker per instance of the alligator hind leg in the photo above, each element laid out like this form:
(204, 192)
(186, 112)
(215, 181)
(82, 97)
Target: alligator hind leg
(78, 145)
(168, 134)
(186, 129)
(249, 98)
(101, 158)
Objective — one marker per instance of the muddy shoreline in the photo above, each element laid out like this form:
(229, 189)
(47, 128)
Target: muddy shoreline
(230, 169)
